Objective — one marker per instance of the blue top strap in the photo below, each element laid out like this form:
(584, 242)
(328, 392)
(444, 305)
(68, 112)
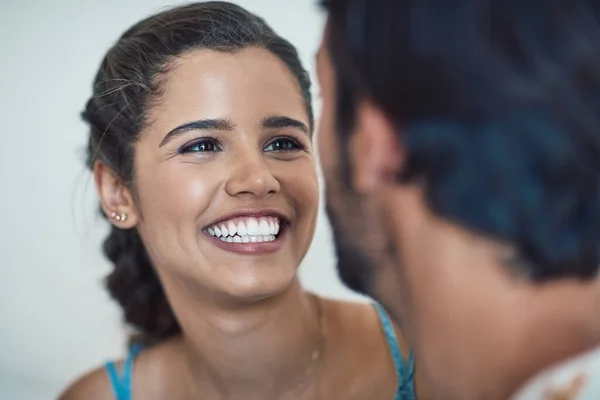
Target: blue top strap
(122, 385)
(405, 372)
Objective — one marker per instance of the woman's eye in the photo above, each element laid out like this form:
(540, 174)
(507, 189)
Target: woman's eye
(284, 144)
(201, 146)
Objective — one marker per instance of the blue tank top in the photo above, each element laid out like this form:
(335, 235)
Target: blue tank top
(122, 383)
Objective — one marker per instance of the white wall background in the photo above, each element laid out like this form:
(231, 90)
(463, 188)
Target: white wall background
(56, 320)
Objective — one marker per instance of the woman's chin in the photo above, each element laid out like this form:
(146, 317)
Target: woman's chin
(247, 290)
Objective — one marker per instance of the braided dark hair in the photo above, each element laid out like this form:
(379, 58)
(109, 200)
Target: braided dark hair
(125, 87)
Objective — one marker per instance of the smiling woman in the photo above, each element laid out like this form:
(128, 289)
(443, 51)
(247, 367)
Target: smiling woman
(200, 145)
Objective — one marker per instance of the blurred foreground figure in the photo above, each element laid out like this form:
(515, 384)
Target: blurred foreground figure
(460, 142)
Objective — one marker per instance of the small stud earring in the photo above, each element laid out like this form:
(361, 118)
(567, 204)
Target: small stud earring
(119, 217)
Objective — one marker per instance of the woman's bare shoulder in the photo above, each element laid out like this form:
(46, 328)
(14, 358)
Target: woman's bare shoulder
(361, 319)
(360, 350)
(94, 385)
(351, 315)
(148, 371)
(351, 320)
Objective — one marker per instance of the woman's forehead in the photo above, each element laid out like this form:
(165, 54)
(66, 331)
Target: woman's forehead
(226, 84)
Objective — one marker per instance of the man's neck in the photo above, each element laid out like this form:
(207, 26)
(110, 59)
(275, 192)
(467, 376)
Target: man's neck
(261, 350)
(479, 331)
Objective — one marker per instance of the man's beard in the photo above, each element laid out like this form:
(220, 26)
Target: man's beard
(353, 265)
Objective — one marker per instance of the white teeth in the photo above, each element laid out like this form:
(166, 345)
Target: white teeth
(247, 238)
(264, 227)
(241, 229)
(231, 228)
(253, 228)
(271, 227)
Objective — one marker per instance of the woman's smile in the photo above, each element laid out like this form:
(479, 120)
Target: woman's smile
(249, 231)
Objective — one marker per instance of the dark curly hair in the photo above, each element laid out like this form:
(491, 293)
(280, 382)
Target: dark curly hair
(125, 87)
(497, 104)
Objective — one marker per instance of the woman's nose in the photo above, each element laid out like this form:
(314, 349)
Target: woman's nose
(252, 176)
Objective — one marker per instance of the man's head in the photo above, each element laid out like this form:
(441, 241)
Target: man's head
(460, 142)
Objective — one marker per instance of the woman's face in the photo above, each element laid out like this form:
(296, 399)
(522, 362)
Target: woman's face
(226, 185)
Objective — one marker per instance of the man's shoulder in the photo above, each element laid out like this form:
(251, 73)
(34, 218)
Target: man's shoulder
(574, 379)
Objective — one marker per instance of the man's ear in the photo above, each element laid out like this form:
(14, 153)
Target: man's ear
(375, 151)
(115, 198)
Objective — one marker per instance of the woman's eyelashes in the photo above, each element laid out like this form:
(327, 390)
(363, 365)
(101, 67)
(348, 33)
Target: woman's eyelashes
(284, 144)
(202, 145)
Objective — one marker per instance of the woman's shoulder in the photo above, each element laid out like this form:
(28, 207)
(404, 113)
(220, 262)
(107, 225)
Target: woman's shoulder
(344, 309)
(361, 342)
(94, 385)
(145, 374)
(353, 316)
(369, 323)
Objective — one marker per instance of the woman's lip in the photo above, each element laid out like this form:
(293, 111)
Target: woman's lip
(250, 248)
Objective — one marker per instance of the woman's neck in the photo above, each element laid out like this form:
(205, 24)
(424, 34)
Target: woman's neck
(267, 349)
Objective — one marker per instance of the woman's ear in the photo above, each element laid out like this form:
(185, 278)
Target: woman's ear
(116, 199)
(375, 152)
